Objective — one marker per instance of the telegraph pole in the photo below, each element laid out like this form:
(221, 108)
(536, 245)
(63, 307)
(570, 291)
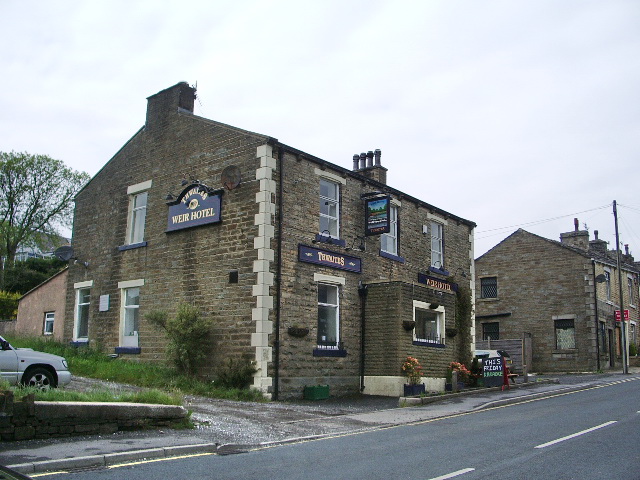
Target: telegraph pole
(623, 324)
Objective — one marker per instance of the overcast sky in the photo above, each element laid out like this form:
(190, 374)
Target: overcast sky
(506, 113)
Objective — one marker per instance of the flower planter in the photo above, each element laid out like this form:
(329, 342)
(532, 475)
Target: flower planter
(448, 387)
(408, 325)
(297, 332)
(316, 392)
(413, 390)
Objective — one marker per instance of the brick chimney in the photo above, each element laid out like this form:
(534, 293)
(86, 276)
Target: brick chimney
(597, 245)
(169, 101)
(577, 238)
(368, 164)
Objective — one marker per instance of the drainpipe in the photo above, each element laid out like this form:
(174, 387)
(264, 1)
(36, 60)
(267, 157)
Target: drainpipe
(362, 292)
(276, 342)
(595, 300)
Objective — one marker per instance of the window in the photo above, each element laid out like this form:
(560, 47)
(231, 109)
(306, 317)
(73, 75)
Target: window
(329, 208)
(565, 334)
(328, 316)
(130, 322)
(48, 323)
(83, 299)
(489, 287)
(630, 288)
(429, 323)
(389, 241)
(437, 252)
(607, 276)
(491, 331)
(137, 218)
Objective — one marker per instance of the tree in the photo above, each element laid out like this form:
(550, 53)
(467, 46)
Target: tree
(36, 198)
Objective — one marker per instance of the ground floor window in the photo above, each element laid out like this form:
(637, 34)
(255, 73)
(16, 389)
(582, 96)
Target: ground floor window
(565, 334)
(429, 323)
(130, 320)
(48, 323)
(328, 316)
(81, 318)
(491, 331)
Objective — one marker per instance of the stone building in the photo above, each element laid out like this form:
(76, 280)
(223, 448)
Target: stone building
(562, 295)
(320, 274)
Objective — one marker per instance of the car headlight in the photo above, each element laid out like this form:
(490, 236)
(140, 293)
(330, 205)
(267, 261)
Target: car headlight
(64, 364)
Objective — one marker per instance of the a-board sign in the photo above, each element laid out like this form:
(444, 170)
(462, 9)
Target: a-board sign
(493, 371)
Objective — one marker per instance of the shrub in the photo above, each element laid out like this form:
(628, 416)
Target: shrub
(188, 334)
(633, 349)
(236, 374)
(9, 305)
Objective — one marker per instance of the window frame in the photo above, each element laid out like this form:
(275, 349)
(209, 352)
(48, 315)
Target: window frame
(439, 313)
(437, 256)
(329, 201)
(129, 341)
(630, 292)
(557, 326)
(137, 218)
(335, 307)
(49, 319)
(484, 287)
(485, 332)
(392, 236)
(607, 284)
(82, 310)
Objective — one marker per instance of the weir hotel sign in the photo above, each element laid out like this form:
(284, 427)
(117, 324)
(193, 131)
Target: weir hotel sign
(196, 205)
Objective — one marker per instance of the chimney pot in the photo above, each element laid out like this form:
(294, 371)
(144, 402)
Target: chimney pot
(626, 249)
(595, 232)
(356, 160)
(369, 159)
(377, 155)
(363, 160)
(576, 224)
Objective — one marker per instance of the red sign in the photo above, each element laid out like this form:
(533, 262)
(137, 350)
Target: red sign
(617, 315)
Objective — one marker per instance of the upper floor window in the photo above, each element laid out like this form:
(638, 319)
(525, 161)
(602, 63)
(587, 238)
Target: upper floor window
(329, 208)
(489, 287)
(138, 196)
(607, 282)
(437, 245)
(630, 288)
(137, 217)
(389, 241)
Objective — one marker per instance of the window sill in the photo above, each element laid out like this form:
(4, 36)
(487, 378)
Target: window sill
(128, 350)
(122, 248)
(391, 256)
(330, 240)
(79, 343)
(439, 271)
(568, 351)
(329, 352)
(428, 344)
(492, 299)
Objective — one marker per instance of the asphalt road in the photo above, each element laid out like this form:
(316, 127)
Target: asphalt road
(585, 433)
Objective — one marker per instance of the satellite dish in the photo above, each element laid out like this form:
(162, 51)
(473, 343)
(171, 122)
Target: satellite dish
(230, 177)
(64, 253)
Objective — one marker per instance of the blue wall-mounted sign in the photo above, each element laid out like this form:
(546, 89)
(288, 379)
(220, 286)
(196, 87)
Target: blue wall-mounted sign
(437, 284)
(329, 259)
(196, 205)
(376, 212)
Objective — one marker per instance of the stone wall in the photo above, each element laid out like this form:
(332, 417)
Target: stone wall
(27, 419)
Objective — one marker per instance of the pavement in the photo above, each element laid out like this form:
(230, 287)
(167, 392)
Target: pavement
(228, 427)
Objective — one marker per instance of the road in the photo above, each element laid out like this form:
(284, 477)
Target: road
(589, 434)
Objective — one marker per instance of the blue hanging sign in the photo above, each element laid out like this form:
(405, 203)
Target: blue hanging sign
(329, 259)
(196, 205)
(377, 218)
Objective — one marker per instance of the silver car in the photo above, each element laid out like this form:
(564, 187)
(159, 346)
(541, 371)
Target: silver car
(31, 368)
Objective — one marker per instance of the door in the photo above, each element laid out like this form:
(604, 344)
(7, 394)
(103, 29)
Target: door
(8, 362)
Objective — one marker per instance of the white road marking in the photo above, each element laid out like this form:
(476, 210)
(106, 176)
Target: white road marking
(453, 474)
(575, 435)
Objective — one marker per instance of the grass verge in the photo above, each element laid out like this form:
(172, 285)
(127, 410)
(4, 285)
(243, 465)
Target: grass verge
(90, 362)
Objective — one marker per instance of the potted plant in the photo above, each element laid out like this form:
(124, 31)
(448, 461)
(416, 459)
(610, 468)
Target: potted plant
(463, 373)
(413, 371)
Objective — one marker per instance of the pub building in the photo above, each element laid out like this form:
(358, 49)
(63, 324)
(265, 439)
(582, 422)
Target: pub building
(319, 274)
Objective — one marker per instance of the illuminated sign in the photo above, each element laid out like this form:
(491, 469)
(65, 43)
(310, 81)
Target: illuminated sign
(329, 259)
(437, 284)
(196, 205)
(377, 216)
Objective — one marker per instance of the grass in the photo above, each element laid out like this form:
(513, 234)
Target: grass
(159, 379)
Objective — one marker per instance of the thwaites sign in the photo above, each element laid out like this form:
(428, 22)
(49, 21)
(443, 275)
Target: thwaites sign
(196, 205)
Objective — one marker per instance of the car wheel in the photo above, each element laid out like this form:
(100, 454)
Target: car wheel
(40, 378)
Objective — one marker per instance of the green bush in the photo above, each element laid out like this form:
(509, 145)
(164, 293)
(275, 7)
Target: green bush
(189, 336)
(236, 374)
(633, 349)
(9, 305)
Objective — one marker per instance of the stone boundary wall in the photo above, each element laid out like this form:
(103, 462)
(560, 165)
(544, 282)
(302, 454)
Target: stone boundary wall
(27, 419)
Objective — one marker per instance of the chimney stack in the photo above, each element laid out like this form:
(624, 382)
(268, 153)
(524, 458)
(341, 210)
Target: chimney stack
(369, 165)
(597, 245)
(577, 238)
